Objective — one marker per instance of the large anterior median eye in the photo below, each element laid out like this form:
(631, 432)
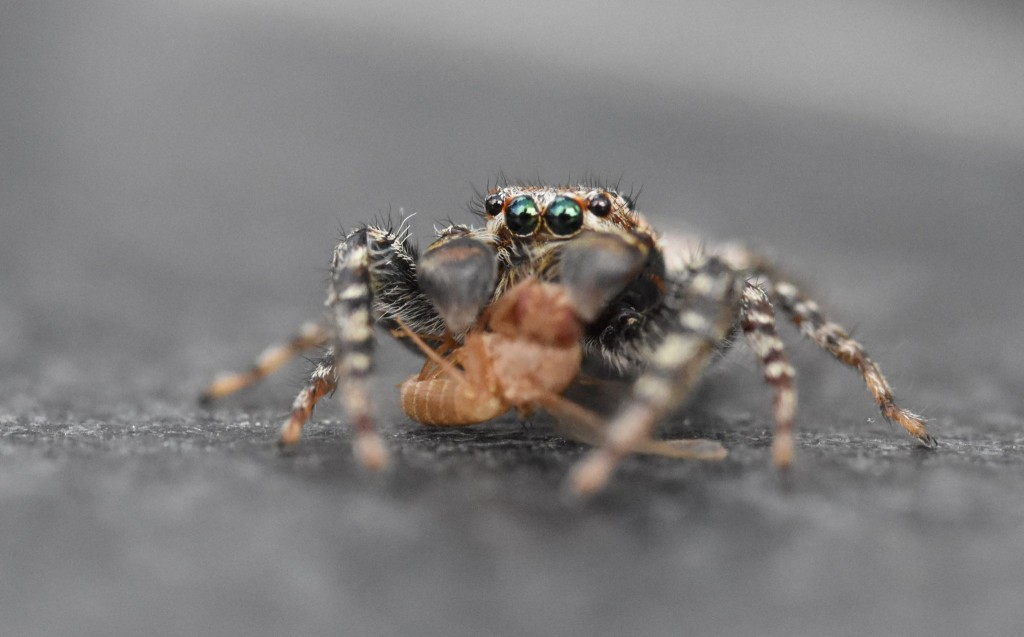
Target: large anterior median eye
(522, 216)
(564, 216)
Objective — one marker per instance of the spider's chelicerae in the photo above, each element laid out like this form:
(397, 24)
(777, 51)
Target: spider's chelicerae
(578, 260)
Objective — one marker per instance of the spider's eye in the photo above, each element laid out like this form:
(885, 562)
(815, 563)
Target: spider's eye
(564, 216)
(492, 205)
(600, 205)
(522, 216)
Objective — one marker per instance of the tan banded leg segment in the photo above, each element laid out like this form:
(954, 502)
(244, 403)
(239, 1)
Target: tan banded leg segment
(321, 383)
(311, 336)
(349, 300)
(831, 337)
(707, 309)
(758, 321)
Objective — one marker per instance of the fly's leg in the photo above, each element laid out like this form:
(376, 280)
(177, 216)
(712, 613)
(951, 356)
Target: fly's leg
(582, 425)
(832, 338)
(706, 306)
(311, 336)
(758, 321)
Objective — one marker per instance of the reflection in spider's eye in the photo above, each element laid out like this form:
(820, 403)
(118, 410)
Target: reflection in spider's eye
(492, 205)
(522, 216)
(600, 205)
(564, 216)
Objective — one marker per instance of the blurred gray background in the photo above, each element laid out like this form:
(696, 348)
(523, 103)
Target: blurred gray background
(174, 175)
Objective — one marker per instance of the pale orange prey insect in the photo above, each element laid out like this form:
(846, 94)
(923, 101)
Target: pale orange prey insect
(524, 353)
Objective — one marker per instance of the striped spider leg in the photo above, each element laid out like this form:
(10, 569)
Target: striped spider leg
(713, 296)
(373, 278)
(808, 317)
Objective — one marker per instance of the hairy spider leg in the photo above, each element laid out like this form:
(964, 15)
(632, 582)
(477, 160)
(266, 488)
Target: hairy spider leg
(707, 307)
(373, 273)
(807, 316)
(322, 382)
(757, 319)
(831, 337)
(310, 336)
(349, 300)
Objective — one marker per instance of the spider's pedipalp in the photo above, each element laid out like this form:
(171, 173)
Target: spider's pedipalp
(757, 319)
(596, 266)
(807, 316)
(458, 274)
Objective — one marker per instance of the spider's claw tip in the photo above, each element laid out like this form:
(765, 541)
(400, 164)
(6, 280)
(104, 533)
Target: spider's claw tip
(371, 452)
(289, 436)
(591, 475)
(782, 452)
(927, 441)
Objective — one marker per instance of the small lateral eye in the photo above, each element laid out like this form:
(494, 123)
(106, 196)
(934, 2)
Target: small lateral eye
(564, 216)
(522, 216)
(492, 205)
(600, 205)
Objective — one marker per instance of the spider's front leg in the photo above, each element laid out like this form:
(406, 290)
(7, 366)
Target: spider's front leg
(705, 302)
(373, 272)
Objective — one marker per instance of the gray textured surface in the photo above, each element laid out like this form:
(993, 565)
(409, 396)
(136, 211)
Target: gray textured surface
(173, 179)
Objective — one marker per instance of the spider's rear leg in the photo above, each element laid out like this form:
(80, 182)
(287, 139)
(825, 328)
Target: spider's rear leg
(831, 337)
(707, 308)
(373, 273)
(758, 321)
(311, 336)
(349, 301)
(321, 383)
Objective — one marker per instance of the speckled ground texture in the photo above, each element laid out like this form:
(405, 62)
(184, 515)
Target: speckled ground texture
(171, 184)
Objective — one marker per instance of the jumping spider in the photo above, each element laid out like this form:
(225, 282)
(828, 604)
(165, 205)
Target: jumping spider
(652, 307)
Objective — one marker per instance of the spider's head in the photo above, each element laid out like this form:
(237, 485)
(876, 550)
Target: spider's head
(547, 212)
